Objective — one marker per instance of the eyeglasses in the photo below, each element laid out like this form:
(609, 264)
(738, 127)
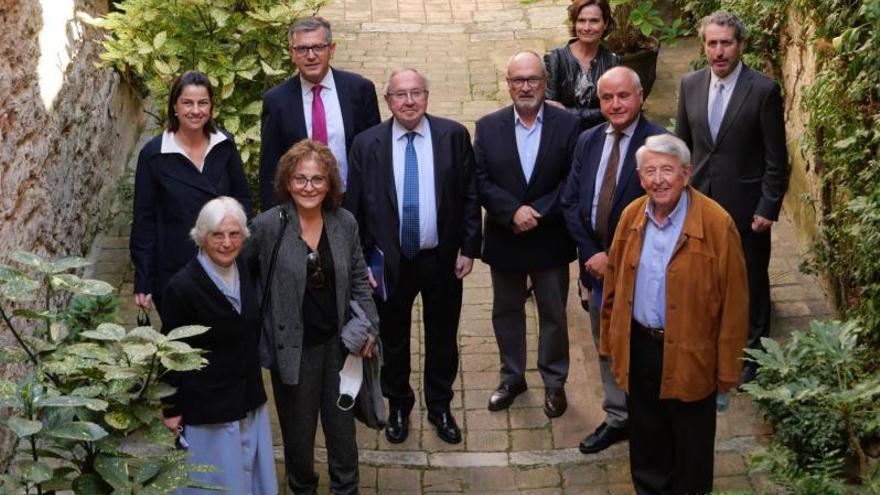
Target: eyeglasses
(220, 237)
(520, 82)
(316, 49)
(317, 181)
(415, 94)
(314, 272)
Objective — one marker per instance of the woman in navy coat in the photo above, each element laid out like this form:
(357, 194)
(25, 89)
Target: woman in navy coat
(179, 171)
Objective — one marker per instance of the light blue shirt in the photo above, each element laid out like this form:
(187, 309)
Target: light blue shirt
(623, 146)
(233, 293)
(333, 114)
(528, 139)
(649, 301)
(427, 198)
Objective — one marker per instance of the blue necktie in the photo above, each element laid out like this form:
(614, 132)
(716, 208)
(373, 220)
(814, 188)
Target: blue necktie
(717, 111)
(409, 234)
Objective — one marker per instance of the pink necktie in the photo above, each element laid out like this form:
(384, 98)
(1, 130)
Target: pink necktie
(319, 118)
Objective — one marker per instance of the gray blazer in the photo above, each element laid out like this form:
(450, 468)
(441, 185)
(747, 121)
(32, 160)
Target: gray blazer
(282, 332)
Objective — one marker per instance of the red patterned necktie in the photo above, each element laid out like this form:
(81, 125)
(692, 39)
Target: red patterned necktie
(319, 118)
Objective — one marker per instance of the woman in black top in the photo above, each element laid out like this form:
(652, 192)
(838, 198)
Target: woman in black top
(318, 270)
(178, 172)
(574, 69)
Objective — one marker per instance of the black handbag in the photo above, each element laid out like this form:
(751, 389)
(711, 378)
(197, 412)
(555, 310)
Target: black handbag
(369, 407)
(143, 318)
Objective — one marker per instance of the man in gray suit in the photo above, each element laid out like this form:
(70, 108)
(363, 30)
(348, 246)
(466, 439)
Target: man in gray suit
(731, 117)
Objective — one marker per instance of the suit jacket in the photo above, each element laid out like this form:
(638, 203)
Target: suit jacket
(746, 169)
(577, 194)
(707, 301)
(231, 384)
(503, 189)
(169, 192)
(283, 121)
(282, 332)
(372, 196)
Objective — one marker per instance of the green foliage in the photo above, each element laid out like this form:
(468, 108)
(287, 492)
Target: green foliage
(821, 397)
(241, 46)
(638, 21)
(88, 416)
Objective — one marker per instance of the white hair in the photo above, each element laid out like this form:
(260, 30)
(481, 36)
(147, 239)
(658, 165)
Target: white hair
(400, 70)
(213, 214)
(665, 144)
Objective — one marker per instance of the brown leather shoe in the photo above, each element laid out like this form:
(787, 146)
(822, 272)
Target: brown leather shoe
(555, 402)
(503, 396)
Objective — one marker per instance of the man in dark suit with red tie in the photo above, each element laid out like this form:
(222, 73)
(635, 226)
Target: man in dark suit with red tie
(523, 154)
(602, 182)
(328, 105)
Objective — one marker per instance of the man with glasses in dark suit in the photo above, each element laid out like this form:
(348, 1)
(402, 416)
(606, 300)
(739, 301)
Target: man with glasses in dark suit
(327, 105)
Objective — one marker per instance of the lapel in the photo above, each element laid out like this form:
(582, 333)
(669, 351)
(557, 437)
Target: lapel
(204, 282)
(544, 145)
(342, 93)
(508, 132)
(442, 159)
(178, 168)
(291, 265)
(700, 102)
(740, 93)
(592, 166)
(384, 160)
(629, 161)
(338, 250)
(297, 112)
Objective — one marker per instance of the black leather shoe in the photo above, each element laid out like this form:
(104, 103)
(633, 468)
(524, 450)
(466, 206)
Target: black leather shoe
(447, 429)
(397, 428)
(555, 402)
(749, 372)
(503, 396)
(605, 436)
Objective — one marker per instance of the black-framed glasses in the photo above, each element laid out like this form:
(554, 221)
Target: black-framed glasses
(303, 50)
(521, 82)
(415, 94)
(314, 272)
(317, 181)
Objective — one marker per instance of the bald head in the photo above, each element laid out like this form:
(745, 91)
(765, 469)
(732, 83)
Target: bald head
(620, 73)
(526, 83)
(527, 57)
(620, 97)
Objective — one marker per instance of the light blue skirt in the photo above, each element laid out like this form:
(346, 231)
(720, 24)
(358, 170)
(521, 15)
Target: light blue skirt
(242, 452)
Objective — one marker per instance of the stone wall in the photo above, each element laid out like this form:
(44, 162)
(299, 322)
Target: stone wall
(798, 73)
(66, 130)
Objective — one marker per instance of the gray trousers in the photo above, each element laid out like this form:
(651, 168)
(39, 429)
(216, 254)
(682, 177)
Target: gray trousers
(509, 321)
(298, 407)
(614, 402)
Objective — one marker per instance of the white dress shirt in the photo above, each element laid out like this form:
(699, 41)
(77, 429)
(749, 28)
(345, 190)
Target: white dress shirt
(729, 83)
(170, 145)
(427, 198)
(333, 114)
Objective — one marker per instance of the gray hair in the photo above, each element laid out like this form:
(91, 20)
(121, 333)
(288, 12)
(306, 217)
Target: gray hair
(310, 24)
(212, 215)
(665, 144)
(401, 70)
(725, 19)
(633, 75)
(539, 58)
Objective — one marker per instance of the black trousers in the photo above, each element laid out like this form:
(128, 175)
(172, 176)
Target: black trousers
(756, 249)
(441, 302)
(672, 443)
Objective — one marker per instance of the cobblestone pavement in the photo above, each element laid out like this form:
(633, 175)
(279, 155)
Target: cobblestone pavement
(462, 46)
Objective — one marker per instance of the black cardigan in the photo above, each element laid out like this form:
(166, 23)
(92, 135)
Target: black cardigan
(231, 384)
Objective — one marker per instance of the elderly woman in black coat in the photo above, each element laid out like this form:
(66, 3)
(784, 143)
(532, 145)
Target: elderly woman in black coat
(307, 253)
(221, 410)
(179, 171)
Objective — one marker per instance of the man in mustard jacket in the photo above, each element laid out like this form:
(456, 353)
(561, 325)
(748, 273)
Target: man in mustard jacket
(674, 320)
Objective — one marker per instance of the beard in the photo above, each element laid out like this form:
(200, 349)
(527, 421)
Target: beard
(527, 105)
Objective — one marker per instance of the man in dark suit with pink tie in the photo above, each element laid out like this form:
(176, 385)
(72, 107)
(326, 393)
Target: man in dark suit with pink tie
(328, 105)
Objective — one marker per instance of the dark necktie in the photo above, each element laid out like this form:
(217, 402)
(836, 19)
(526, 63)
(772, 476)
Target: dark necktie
(606, 192)
(319, 118)
(409, 234)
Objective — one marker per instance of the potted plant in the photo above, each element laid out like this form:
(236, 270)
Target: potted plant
(639, 33)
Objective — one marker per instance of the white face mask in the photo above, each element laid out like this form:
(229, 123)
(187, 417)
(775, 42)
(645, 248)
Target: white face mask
(350, 378)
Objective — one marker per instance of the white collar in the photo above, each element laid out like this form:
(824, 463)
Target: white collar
(398, 131)
(729, 80)
(628, 131)
(327, 83)
(170, 144)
